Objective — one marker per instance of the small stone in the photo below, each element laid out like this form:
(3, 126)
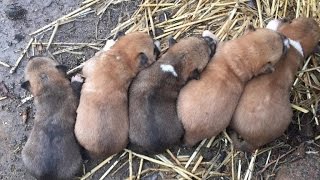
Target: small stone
(18, 37)
(15, 12)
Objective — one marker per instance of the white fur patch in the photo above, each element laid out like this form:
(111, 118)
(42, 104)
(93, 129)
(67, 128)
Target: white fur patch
(273, 24)
(297, 46)
(157, 44)
(287, 43)
(207, 33)
(168, 68)
(108, 45)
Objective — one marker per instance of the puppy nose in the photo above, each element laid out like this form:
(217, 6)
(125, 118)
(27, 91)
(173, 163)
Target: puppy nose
(286, 43)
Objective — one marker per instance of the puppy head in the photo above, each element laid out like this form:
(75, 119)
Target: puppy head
(191, 55)
(42, 72)
(305, 31)
(265, 47)
(140, 49)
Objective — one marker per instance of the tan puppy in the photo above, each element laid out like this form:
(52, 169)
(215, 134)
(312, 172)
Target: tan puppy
(102, 122)
(264, 111)
(154, 123)
(51, 151)
(205, 107)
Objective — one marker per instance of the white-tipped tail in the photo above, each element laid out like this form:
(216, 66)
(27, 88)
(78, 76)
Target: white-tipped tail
(207, 33)
(108, 45)
(168, 68)
(273, 24)
(297, 46)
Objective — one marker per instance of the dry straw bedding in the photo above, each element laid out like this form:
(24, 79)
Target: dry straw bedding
(180, 18)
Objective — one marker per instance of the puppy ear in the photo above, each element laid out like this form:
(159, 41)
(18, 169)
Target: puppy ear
(195, 75)
(172, 41)
(250, 28)
(62, 68)
(317, 49)
(143, 59)
(212, 45)
(118, 35)
(266, 69)
(26, 85)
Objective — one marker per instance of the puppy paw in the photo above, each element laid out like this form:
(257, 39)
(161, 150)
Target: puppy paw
(77, 78)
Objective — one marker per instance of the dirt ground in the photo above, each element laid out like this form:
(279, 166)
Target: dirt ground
(14, 38)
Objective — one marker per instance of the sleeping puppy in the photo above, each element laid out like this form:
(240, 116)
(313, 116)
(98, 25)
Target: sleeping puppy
(154, 123)
(264, 111)
(51, 151)
(205, 107)
(102, 121)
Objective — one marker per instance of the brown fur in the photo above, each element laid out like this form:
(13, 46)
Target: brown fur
(102, 123)
(264, 111)
(154, 123)
(205, 107)
(51, 151)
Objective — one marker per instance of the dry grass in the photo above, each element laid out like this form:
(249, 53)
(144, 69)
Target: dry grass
(227, 19)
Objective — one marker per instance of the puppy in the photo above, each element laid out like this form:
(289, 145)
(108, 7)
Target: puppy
(102, 121)
(205, 107)
(154, 123)
(264, 111)
(51, 151)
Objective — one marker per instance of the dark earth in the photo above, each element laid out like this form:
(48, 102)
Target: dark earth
(19, 18)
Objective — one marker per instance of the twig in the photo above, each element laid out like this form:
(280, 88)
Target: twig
(77, 68)
(5, 64)
(272, 162)
(26, 99)
(13, 69)
(111, 167)
(53, 34)
(140, 169)
(251, 165)
(130, 165)
(97, 168)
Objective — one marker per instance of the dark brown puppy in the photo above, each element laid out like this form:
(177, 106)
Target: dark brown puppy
(102, 122)
(51, 151)
(205, 107)
(154, 123)
(264, 111)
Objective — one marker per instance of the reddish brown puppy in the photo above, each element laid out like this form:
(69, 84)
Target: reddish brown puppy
(264, 111)
(205, 107)
(154, 123)
(51, 151)
(102, 122)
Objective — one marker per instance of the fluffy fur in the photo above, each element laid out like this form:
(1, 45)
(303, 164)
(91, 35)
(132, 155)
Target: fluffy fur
(102, 122)
(51, 151)
(264, 111)
(154, 123)
(205, 107)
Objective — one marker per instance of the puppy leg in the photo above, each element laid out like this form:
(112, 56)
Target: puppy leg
(76, 84)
